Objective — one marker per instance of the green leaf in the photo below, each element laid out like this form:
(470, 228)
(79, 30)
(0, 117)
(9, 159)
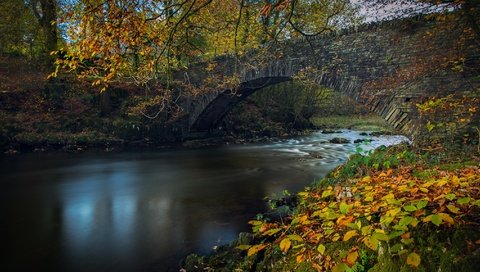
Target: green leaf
(434, 218)
(243, 247)
(303, 194)
(341, 267)
(400, 227)
(405, 221)
(326, 193)
(410, 208)
(371, 242)
(430, 126)
(422, 204)
(450, 197)
(343, 208)
(295, 237)
(463, 200)
(321, 248)
(380, 236)
(395, 234)
(396, 248)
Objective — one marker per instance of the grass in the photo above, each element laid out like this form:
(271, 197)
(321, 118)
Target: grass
(368, 122)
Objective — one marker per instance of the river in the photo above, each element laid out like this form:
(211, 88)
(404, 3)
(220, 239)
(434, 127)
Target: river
(146, 210)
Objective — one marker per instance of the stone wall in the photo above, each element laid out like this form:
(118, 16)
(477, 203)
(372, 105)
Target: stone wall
(389, 67)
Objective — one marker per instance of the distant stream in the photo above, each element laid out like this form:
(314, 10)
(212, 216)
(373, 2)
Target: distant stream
(146, 210)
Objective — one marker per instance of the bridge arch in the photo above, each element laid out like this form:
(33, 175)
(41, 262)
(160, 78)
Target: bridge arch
(218, 108)
(383, 68)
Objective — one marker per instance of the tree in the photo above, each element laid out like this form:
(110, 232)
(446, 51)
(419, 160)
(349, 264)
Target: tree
(147, 40)
(19, 30)
(46, 13)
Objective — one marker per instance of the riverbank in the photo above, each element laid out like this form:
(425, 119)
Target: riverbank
(366, 122)
(73, 120)
(397, 209)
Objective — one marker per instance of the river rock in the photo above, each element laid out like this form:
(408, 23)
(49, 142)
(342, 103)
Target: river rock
(357, 141)
(316, 155)
(338, 140)
(380, 133)
(11, 152)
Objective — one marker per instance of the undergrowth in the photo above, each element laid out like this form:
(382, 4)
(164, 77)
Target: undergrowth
(395, 209)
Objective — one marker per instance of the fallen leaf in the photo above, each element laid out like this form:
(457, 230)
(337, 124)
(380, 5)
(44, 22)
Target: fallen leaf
(349, 235)
(413, 259)
(352, 258)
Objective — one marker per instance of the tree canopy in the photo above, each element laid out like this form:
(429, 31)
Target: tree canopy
(147, 39)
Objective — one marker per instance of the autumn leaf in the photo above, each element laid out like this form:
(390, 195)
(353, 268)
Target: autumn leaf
(321, 249)
(300, 258)
(352, 258)
(371, 242)
(243, 247)
(271, 232)
(380, 236)
(295, 237)
(256, 248)
(413, 259)
(447, 218)
(405, 221)
(341, 267)
(285, 244)
(349, 235)
(434, 218)
(326, 193)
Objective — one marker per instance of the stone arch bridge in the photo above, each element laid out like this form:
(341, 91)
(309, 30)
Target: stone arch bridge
(389, 67)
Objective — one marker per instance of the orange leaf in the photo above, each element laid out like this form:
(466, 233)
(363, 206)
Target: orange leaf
(300, 258)
(413, 259)
(254, 249)
(352, 258)
(345, 220)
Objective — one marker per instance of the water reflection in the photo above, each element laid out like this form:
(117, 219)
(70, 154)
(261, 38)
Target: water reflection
(145, 211)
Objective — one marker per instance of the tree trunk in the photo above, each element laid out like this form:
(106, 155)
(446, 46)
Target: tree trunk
(471, 10)
(46, 13)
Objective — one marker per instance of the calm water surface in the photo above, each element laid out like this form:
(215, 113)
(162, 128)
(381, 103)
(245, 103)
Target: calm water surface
(145, 211)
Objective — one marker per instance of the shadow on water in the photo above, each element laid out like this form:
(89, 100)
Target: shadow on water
(132, 211)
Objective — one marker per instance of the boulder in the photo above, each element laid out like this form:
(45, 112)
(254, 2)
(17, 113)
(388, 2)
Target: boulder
(338, 140)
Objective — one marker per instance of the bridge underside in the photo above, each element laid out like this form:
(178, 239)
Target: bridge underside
(225, 101)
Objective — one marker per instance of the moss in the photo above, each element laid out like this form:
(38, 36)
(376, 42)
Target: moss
(456, 165)
(425, 174)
